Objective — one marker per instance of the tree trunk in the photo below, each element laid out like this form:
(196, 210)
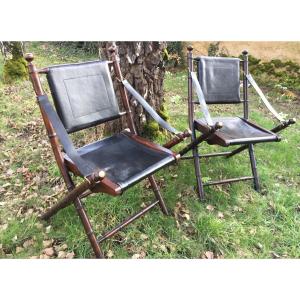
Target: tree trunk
(142, 65)
(15, 49)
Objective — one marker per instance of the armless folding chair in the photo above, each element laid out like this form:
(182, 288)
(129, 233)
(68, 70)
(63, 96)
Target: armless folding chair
(218, 82)
(84, 96)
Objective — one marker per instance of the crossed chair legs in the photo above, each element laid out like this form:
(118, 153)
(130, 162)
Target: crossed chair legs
(196, 157)
(200, 185)
(75, 196)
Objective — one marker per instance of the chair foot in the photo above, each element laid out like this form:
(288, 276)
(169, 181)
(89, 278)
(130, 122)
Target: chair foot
(199, 184)
(200, 192)
(158, 196)
(88, 228)
(254, 168)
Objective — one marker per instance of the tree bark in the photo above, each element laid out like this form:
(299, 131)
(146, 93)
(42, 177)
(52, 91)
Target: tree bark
(13, 49)
(142, 65)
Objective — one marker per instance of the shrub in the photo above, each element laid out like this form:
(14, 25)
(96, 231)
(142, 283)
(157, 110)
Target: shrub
(215, 50)
(174, 55)
(14, 69)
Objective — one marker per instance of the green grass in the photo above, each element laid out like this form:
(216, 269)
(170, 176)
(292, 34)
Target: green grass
(254, 225)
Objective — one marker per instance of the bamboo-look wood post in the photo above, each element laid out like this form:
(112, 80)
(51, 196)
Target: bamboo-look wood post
(195, 151)
(124, 96)
(190, 89)
(245, 84)
(246, 116)
(34, 77)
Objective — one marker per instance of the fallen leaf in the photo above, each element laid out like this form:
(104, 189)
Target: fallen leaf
(259, 246)
(208, 255)
(3, 227)
(110, 254)
(9, 172)
(144, 236)
(181, 212)
(28, 243)
(29, 212)
(220, 215)
(163, 248)
(275, 255)
(209, 207)
(272, 206)
(39, 225)
(19, 249)
(135, 256)
(187, 216)
(61, 254)
(70, 255)
(47, 243)
(236, 208)
(142, 254)
(252, 231)
(49, 251)
(62, 247)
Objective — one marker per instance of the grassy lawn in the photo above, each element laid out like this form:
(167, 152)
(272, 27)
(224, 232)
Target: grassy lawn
(234, 222)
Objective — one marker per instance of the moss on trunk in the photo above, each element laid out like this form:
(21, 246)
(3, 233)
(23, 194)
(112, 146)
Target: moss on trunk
(15, 65)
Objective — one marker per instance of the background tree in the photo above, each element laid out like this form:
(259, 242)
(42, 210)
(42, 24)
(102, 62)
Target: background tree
(14, 62)
(142, 65)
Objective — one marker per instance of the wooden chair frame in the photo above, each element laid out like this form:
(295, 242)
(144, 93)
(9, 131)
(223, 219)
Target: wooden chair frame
(96, 182)
(195, 152)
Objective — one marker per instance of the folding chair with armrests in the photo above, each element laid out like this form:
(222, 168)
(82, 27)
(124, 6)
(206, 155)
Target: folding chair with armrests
(218, 82)
(84, 96)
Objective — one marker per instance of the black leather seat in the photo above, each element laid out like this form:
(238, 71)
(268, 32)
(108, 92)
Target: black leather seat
(126, 158)
(236, 131)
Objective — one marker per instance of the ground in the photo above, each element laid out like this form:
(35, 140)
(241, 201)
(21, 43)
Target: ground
(263, 50)
(233, 222)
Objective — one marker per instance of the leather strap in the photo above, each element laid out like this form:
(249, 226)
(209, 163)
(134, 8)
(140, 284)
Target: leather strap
(263, 98)
(148, 108)
(85, 167)
(201, 98)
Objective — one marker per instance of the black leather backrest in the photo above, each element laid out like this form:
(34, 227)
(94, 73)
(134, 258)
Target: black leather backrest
(219, 78)
(83, 94)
